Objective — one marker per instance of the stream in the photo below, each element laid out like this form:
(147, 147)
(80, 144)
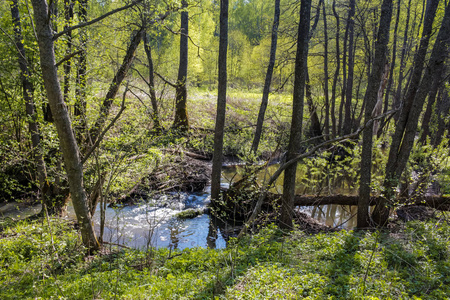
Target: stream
(155, 224)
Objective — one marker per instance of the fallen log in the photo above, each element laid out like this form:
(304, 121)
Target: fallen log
(437, 202)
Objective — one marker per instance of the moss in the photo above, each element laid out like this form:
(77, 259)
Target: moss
(189, 213)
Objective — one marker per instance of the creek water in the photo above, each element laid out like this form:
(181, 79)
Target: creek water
(155, 224)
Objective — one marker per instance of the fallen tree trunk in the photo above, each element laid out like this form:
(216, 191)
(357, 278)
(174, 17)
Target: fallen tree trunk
(437, 202)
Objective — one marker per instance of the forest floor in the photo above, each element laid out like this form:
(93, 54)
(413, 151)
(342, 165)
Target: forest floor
(45, 259)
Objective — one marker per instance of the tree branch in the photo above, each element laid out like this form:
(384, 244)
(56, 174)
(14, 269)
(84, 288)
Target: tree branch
(165, 80)
(67, 57)
(100, 137)
(84, 24)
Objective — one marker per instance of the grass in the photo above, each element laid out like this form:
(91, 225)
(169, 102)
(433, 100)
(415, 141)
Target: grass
(46, 261)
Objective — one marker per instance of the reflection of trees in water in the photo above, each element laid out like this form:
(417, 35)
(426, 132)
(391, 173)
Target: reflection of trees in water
(174, 227)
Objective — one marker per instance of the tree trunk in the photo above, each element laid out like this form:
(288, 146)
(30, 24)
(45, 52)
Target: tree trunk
(347, 126)
(336, 75)
(79, 110)
(315, 129)
(181, 118)
(115, 85)
(391, 74)
(326, 124)
(68, 16)
(28, 90)
(151, 85)
(405, 132)
(221, 103)
(370, 99)
(396, 104)
(287, 205)
(268, 80)
(69, 146)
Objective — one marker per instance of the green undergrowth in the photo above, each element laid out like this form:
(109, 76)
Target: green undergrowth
(42, 261)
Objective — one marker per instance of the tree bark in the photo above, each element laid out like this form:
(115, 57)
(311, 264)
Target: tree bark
(181, 117)
(268, 80)
(370, 99)
(69, 146)
(287, 204)
(221, 103)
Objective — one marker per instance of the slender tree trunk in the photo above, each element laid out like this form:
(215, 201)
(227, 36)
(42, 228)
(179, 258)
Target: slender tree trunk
(336, 75)
(326, 124)
(28, 91)
(81, 84)
(151, 85)
(221, 102)
(115, 85)
(181, 118)
(344, 79)
(396, 104)
(371, 98)
(69, 146)
(443, 107)
(405, 131)
(391, 73)
(268, 80)
(347, 126)
(287, 205)
(429, 111)
(68, 16)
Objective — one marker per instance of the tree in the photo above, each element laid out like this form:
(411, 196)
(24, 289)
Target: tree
(347, 126)
(268, 80)
(287, 205)
(151, 85)
(221, 102)
(69, 146)
(370, 99)
(181, 118)
(27, 92)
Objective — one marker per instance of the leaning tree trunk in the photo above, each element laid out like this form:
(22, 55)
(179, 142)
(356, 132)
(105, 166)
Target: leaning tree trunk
(221, 102)
(268, 80)
(181, 118)
(69, 147)
(370, 99)
(287, 205)
(405, 132)
(115, 85)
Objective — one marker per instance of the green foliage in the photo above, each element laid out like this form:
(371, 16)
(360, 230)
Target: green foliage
(44, 261)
